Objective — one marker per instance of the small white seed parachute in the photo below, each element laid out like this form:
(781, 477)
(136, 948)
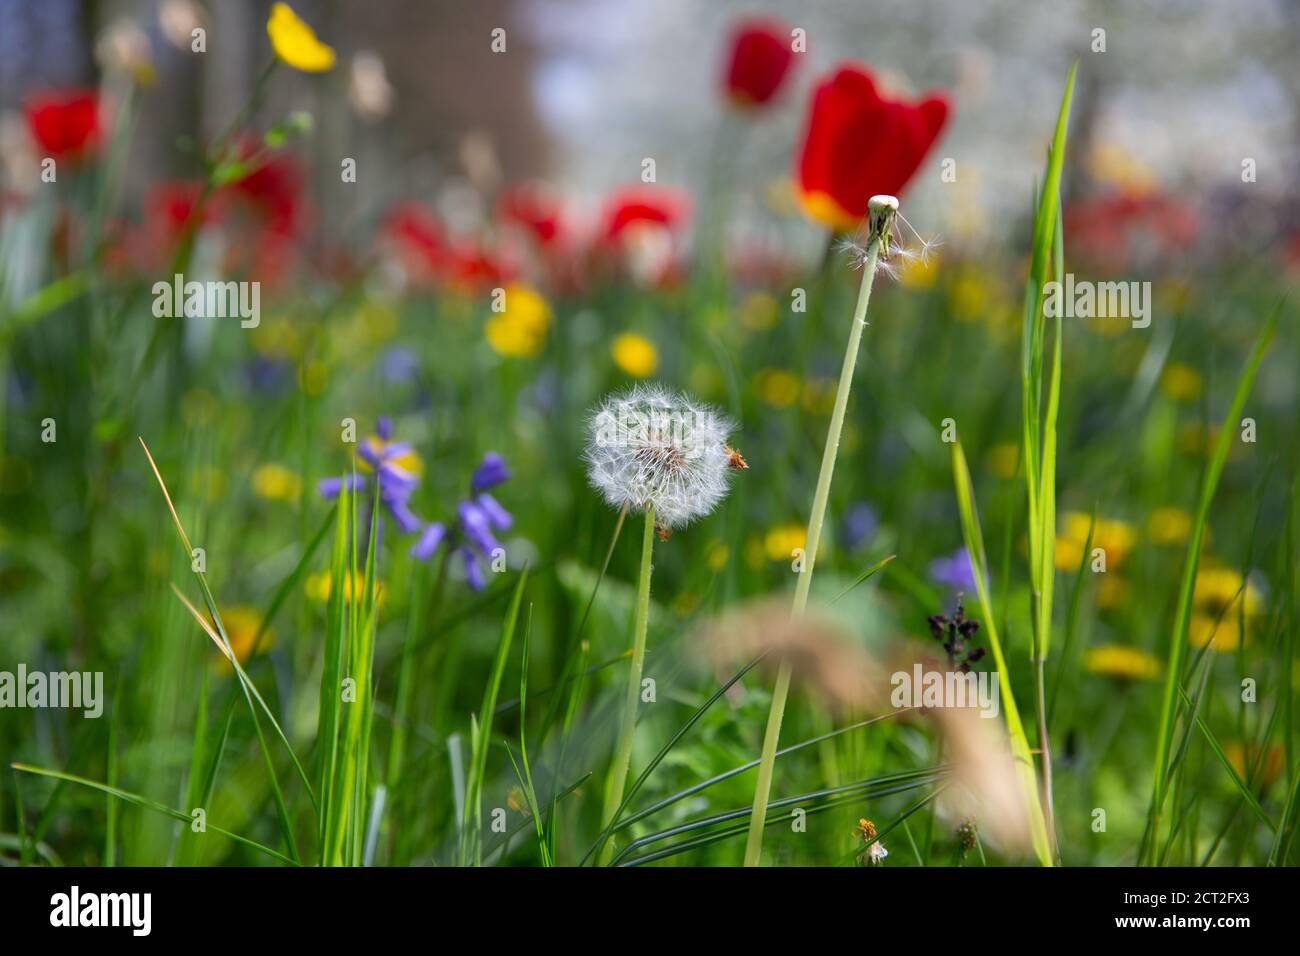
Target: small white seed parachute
(650, 447)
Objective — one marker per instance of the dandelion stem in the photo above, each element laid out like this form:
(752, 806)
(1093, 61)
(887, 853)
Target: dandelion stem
(775, 714)
(623, 752)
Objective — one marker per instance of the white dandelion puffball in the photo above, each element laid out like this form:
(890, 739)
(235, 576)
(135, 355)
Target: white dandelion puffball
(649, 447)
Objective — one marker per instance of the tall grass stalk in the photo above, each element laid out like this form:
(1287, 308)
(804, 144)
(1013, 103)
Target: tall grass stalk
(1187, 586)
(881, 214)
(1039, 430)
(617, 781)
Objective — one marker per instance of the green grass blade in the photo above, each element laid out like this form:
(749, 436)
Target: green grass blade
(974, 538)
(471, 844)
(1178, 639)
(139, 801)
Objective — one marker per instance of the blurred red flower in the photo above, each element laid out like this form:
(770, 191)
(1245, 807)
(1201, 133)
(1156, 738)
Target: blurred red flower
(859, 144)
(1115, 229)
(761, 58)
(65, 123)
(418, 236)
(274, 189)
(170, 204)
(533, 208)
(643, 204)
(471, 266)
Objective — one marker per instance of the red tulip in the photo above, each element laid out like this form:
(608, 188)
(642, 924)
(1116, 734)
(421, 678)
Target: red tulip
(418, 236)
(65, 123)
(170, 204)
(761, 58)
(471, 266)
(534, 209)
(860, 144)
(1113, 229)
(642, 204)
(274, 189)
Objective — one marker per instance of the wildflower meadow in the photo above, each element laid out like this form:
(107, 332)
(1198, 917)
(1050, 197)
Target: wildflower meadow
(806, 510)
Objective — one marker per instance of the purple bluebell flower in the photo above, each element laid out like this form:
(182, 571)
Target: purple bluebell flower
(396, 483)
(473, 572)
(860, 525)
(477, 517)
(330, 487)
(954, 571)
(429, 539)
(399, 365)
(491, 472)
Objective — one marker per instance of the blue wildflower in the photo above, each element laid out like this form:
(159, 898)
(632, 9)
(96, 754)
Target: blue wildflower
(860, 525)
(954, 570)
(396, 466)
(471, 536)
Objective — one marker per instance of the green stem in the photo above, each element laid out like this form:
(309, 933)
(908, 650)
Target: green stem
(775, 714)
(623, 752)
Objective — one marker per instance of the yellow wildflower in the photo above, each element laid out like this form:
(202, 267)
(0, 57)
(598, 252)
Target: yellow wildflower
(1181, 382)
(1217, 590)
(1169, 525)
(276, 483)
(1111, 590)
(780, 542)
(778, 387)
(919, 272)
(1122, 662)
(1114, 537)
(635, 355)
(819, 396)
(1265, 768)
(1221, 633)
(718, 554)
(520, 330)
(758, 311)
(1003, 459)
(279, 338)
(318, 587)
(242, 624)
(970, 297)
(295, 42)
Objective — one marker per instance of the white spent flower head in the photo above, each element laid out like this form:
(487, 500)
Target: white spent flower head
(651, 447)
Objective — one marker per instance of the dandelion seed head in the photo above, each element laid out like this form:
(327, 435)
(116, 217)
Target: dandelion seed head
(650, 447)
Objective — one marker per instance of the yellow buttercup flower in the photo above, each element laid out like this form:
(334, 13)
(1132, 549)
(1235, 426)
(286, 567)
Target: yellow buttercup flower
(1180, 382)
(919, 272)
(1218, 600)
(520, 330)
(242, 624)
(758, 311)
(1121, 661)
(295, 42)
(1169, 526)
(1111, 590)
(319, 586)
(819, 396)
(717, 555)
(635, 355)
(1221, 633)
(780, 542)
(1003, 459)
(276, 483)
(1114, 537)
(970, 297)
(1217, 590)
(1266, 767)
(778, 387)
